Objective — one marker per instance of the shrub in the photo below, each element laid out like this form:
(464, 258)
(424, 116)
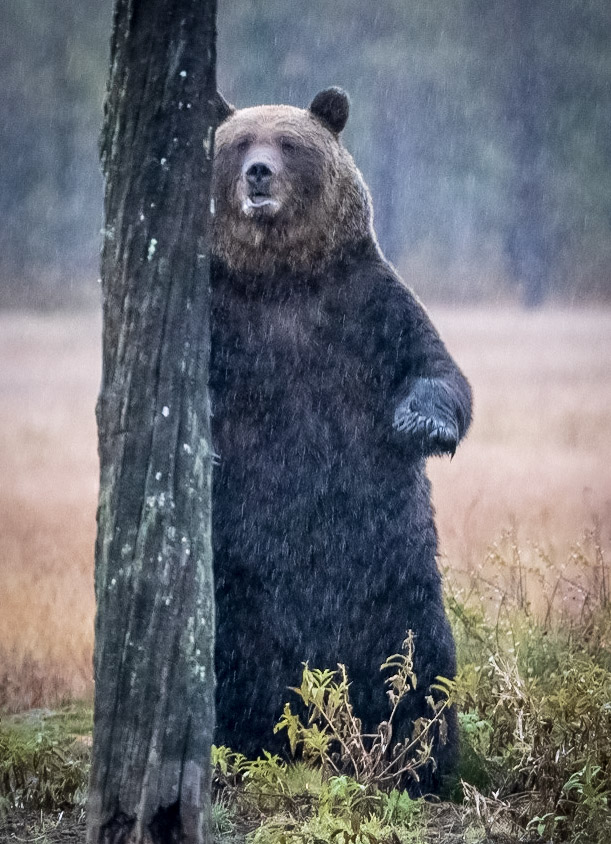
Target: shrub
(40, 767)
(535, 695)
(333, 735)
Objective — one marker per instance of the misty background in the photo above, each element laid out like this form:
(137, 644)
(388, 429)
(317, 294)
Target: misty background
(483, 128)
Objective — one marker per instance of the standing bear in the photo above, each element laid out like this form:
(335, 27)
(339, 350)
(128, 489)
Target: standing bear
(330, 387)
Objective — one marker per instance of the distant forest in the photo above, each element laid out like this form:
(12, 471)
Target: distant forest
(483, 128)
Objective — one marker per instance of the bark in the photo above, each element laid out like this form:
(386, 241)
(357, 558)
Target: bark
(154, 699)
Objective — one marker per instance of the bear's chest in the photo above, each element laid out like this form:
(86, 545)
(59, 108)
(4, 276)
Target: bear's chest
(298, 362)
(304, 337)
(256, 342)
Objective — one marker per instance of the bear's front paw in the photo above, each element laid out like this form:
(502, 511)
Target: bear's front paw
(427, 416)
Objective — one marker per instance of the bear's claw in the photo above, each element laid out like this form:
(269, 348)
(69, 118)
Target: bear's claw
(426, 418)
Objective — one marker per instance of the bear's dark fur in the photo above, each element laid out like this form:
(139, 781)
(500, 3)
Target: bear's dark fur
(330, 387)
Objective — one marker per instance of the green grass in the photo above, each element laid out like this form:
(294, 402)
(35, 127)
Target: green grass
(44, 758)
(71, 721)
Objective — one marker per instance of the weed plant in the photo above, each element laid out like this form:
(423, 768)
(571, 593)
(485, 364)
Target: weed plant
(534, 693)
(333, 736)
(277, 802)
(44, 759)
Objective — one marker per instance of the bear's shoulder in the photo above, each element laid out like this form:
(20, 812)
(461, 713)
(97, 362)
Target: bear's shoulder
(372, 281)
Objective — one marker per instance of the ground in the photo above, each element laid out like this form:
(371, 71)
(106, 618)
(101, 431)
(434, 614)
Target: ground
(25, 826)
(445, 825)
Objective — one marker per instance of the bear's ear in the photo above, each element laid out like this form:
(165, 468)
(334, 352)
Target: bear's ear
(223, 108)
(331, 107)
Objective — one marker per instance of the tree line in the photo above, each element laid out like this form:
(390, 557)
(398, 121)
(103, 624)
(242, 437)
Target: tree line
(483, 128)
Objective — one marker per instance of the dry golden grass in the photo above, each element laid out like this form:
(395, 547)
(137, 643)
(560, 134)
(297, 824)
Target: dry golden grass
(49, 373)
(537, 457)
(536, 462)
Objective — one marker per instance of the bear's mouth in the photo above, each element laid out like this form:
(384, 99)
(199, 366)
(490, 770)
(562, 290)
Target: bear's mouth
(258, 200)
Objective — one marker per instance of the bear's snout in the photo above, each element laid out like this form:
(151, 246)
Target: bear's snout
(257, 188)
(259, 177)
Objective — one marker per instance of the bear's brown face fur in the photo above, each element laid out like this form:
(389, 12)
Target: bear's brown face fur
(287, 194)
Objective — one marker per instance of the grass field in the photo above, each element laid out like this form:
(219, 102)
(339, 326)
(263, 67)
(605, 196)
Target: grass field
(533, 475)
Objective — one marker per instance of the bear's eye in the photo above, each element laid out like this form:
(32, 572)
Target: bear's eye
(288, 145)
(242, 145)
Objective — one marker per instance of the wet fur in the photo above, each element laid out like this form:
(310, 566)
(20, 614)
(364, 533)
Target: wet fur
(327, 205)
(324, 538)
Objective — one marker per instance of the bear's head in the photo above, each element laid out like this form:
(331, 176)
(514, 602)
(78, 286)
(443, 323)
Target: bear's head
(287, 194)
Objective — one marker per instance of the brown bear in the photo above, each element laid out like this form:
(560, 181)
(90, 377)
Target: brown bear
(330, 387)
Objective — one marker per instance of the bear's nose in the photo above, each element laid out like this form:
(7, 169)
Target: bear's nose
(258, 175)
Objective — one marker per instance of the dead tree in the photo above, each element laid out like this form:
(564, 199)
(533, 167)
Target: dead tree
(154, 698)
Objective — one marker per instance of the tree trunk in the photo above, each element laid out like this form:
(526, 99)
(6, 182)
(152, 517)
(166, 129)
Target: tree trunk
(528, 233)
(154, 699)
